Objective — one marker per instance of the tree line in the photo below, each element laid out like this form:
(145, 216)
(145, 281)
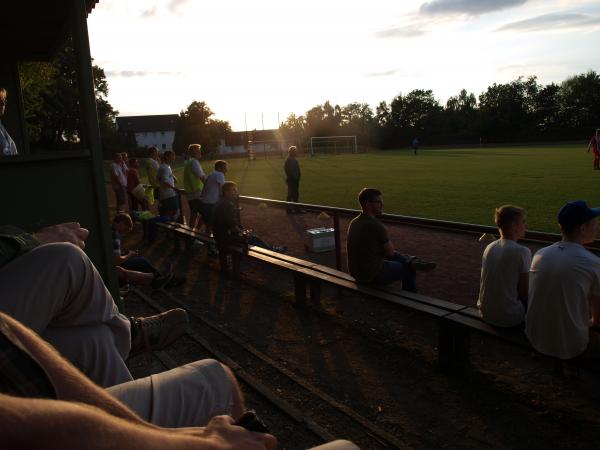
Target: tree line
(520, 111)
(51, 105)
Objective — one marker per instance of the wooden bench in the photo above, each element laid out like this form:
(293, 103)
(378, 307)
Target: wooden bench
(455, 322)
(453, 349)
(190, 235)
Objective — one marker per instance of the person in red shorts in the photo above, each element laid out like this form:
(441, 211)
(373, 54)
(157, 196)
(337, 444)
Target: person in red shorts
(594, 145)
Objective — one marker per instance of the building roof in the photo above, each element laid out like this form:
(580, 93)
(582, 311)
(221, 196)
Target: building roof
(141, 124)
(34, 30)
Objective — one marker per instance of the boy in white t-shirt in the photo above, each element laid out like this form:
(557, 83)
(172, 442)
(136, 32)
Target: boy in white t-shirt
(119, 181)
(564, 294)
(505, 271)
(211, 192)
(169, 203)
(193, 182)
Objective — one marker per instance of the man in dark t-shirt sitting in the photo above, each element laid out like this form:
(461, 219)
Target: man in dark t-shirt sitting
(371, 255)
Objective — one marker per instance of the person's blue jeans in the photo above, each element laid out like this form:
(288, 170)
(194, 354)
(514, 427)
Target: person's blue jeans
(139, 264)
(152, 228)
(396, 268)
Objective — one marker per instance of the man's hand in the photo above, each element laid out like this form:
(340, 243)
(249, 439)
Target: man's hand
(221, 430)
(64, 232)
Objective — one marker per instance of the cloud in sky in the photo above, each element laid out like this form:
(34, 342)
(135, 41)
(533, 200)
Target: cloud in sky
(552, 22)
(152, 12)
(439, 11)
(512, 68)
(175, 6)
(385, 73)
(466, 7)
(402, 31)
(137, 73)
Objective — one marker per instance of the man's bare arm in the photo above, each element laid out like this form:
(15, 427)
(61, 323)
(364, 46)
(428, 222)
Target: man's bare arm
(70, 383)
(88, 417)
(42, 423)
(388, 249)
(37, 423)
(595, 309)
(523, 286)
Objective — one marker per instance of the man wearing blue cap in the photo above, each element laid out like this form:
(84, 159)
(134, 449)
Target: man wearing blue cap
(564, 288)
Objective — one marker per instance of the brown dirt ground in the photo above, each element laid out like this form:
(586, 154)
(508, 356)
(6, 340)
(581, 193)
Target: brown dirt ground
(381, 361)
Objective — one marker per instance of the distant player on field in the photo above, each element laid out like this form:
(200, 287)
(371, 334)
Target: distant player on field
(594, 145)
(415, 144)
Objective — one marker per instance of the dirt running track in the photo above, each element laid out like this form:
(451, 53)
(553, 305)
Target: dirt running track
(381, 361)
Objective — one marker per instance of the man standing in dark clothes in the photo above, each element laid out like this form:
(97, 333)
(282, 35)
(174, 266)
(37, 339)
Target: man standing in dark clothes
(227, 228)
(292, 173)
(371, 255)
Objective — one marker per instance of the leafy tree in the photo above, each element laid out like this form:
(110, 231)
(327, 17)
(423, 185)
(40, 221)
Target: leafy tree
(579, 100)
(461, 118)
(196, 125)
(294, 129)
(323, 120)
(382, 114)
(416, 113)
(51, 103)
(357, 119)
(521, 110)
(547, 108)
(508, 110)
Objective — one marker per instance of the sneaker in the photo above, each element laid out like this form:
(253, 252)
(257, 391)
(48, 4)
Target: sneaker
(160, 281)
(279, 248)
(156, 332)
(424, 266)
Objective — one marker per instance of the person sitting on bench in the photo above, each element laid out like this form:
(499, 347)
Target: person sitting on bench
(227, 228)
(45, 401)
(505, 266)
(371, 255)
(50, 285)
(564, 288)
(131, 267)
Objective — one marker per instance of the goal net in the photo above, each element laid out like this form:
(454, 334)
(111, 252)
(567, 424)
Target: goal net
(332, 144)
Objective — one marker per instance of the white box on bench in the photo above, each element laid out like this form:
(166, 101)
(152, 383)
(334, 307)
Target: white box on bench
(320, 239)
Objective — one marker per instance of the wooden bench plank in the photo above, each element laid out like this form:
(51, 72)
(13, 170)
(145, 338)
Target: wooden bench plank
(274, 261)
(282, 256)
(349, 282)
(191, 232)
(368, 291)
(514, 335)
(315, 274)
(450, 306)
(471, 312)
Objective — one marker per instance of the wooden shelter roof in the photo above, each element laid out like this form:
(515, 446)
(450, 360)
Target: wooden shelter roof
(34, 30)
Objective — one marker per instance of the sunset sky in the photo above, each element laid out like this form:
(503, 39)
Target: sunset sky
(255, 59)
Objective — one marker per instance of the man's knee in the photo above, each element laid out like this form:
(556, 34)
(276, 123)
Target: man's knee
(63, 251)
(228, 372)
(91, 348)
(337, 445)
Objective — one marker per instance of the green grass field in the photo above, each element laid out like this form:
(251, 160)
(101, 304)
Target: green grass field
(451, 184)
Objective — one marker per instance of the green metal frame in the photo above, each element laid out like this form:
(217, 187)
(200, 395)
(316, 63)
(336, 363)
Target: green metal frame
(53, 187)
